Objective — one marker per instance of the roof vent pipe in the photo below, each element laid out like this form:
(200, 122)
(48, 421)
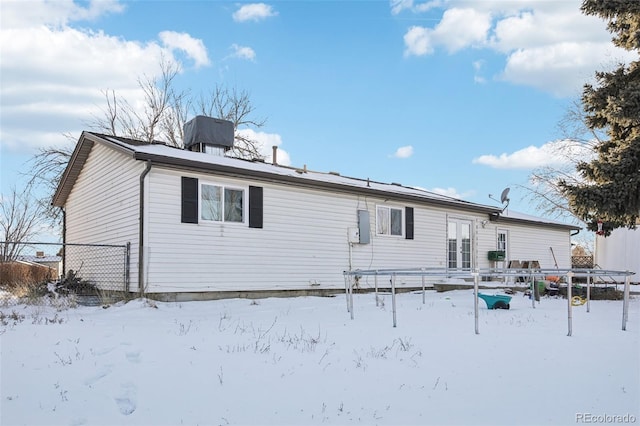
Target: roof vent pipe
(274, 159)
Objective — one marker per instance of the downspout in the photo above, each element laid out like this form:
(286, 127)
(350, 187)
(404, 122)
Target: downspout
(141, 230)
(64, 242)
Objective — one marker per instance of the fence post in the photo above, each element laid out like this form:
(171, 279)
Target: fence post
(127, 260)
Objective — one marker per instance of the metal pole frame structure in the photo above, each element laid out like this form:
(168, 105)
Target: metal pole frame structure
(479, 272)
(476, 278)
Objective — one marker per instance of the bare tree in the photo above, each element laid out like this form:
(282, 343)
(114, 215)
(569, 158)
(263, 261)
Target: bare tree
(162, 117)
(166, 110)
(150, 122)
(21, 216)
(234, 106)
(45, 170)
(576, 143)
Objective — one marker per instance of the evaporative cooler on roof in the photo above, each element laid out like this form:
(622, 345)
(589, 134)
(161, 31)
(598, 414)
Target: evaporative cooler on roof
(208, 134)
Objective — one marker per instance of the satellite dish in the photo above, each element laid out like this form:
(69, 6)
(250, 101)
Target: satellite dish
(504, 197)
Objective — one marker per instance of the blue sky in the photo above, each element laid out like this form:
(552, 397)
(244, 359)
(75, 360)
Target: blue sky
(457, 97)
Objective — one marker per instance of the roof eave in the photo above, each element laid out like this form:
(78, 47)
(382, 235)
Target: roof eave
(505, 219)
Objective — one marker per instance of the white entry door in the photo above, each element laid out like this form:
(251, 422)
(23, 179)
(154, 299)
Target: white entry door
(459, 243)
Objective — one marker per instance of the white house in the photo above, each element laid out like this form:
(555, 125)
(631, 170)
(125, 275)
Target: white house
(619, 251)
(200, 222)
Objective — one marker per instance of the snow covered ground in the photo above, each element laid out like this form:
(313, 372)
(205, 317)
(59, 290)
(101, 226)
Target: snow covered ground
(303, 361)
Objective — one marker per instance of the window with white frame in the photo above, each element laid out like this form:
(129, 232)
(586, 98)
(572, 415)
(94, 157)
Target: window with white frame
(221, 204)
(389, 220)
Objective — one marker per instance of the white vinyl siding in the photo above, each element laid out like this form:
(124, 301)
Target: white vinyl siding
(304, 241)
(103, 207)
(620, 251)
(527, 242)
(303, 244)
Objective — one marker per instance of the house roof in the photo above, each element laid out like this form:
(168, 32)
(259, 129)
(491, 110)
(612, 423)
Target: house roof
(163, 155)
(509, 216)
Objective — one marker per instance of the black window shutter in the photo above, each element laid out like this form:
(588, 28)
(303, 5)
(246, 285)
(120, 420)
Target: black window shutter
(255, 207)
(189, 200)
(408, 222)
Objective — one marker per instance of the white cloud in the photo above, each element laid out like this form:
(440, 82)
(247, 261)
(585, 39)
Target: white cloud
(549, 154)
(398, 6)
(417, 41)
(548, 45)
(53, 12)
(459, 28)
(561, 68)
(194, 48)
(477, 67)
(404, 152)
(254, 12)
(53, 74)
(266, 142)
(449, 192)
(243, 52)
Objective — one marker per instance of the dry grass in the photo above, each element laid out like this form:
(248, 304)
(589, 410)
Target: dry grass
(20, 279)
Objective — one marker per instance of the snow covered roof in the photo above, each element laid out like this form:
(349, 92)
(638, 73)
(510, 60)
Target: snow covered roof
(511, 216)
(160, 154)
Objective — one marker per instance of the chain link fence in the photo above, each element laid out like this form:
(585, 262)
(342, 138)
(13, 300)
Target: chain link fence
(63, 274)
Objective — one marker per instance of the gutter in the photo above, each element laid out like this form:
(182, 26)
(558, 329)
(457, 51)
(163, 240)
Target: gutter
(64, 241)
(141, 230)
(505, 219)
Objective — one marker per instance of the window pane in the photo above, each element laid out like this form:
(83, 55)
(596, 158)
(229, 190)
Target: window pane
(383, 221)
(233, 205)
(465, 241)
(210, 203)
(396, 222)
(452, 245)
(502, 241)
(453, 254)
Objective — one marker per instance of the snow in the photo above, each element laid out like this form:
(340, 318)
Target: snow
(172, 153)
(299, 361)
